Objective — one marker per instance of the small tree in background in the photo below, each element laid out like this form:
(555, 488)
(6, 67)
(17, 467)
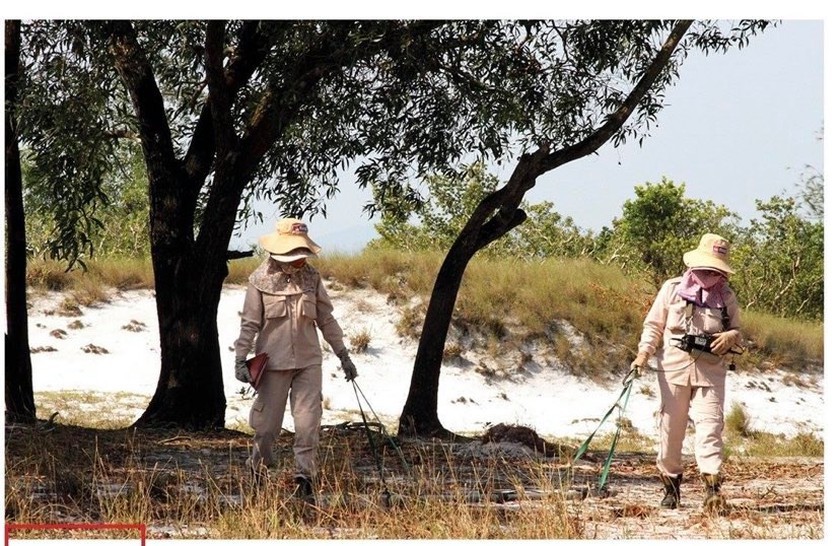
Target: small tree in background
(660, 225)
(434, 222)
(780, 261)
(121, 224)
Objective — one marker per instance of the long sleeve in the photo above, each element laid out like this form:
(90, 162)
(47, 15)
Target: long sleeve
(331, 330)
(654, 324)
(250, 323)
(733, 309)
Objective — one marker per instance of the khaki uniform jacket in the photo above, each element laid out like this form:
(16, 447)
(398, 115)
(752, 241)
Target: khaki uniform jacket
(667, 321)
(282, 311)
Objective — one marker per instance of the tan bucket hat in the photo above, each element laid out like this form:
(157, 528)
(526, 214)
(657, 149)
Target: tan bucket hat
(290, 241)
(711, 253)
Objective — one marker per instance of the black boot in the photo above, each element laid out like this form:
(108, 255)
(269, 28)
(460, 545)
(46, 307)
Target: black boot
(672, 491)
(714, 501)
(304, 489)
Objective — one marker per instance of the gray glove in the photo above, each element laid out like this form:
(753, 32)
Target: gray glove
(241, 371)
(347, 365)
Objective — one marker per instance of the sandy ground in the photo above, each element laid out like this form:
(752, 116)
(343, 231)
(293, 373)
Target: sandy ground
(108, 355)
(113, 348)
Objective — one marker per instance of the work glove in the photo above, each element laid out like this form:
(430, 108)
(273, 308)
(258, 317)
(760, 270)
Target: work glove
(639, 364)
(722, 342)
(241, 371)
(347, 365)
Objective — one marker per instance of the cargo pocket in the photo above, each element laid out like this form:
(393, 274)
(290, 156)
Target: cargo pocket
(275, 307)
(309, 306)
(711, 320)
(257, 415)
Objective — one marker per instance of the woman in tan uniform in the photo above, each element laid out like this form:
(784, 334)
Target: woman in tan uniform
(693, 323)
(285, 301)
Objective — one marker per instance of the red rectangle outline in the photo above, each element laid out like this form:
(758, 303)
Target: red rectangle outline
(81, 526)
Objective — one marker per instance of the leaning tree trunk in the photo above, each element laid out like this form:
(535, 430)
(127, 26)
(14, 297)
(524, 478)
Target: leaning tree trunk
(419, 416)
(20, 401)
(497, 214)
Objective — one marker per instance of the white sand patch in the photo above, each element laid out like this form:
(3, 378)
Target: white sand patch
(542, 397)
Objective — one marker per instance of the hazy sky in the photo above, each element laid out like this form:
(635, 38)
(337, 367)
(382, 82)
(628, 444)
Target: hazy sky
(737, 127)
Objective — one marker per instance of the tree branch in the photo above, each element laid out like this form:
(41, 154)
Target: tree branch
(251, 51)
(615, 120)
(136, 73)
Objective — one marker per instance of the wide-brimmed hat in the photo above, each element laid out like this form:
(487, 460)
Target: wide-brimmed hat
(293, 255)
(289, 235)
(711, 253)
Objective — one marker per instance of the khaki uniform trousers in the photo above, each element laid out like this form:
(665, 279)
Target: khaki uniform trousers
(302, 387)
(706, 405)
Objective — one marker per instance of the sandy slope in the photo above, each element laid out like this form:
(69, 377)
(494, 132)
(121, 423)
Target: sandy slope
(113, 348)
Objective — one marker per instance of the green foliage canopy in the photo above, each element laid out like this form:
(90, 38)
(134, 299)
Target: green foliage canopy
(661, 224)
(438, 219)
(780, 261)
(396, 98)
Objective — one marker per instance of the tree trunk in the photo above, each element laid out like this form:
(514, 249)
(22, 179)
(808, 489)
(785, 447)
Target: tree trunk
(20, 401)
(188, 276)
(419, 416)
(188, 286)
(190, 390)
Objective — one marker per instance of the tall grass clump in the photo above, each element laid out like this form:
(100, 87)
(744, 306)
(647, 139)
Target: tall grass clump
(738, 421)
(539, 300)
(766, 444)
(92, 284)
(393, 272)
(600, 299)
(792, 344)
(240, 269)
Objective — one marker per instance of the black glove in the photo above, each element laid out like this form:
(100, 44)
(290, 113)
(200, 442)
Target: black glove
(241, 371)
(347, 365)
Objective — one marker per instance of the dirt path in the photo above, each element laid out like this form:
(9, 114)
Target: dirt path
(767, 499)
(56, 473)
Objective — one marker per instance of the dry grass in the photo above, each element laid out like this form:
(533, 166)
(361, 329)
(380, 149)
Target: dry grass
(93, 285)
(189, 486)
(785, 343)
(360, 341)
(589, 315)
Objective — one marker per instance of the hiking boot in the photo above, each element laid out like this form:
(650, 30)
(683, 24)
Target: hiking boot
(714, 501)
(671, 499)
(303, 489)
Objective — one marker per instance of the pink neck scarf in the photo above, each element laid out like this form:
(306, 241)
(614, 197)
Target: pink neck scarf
(704, 291)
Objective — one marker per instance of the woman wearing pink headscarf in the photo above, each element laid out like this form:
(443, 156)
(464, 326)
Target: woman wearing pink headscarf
(691, 326)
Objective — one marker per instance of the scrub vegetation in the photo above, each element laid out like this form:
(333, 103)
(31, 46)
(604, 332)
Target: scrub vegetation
(196, 485)
(590, 313)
